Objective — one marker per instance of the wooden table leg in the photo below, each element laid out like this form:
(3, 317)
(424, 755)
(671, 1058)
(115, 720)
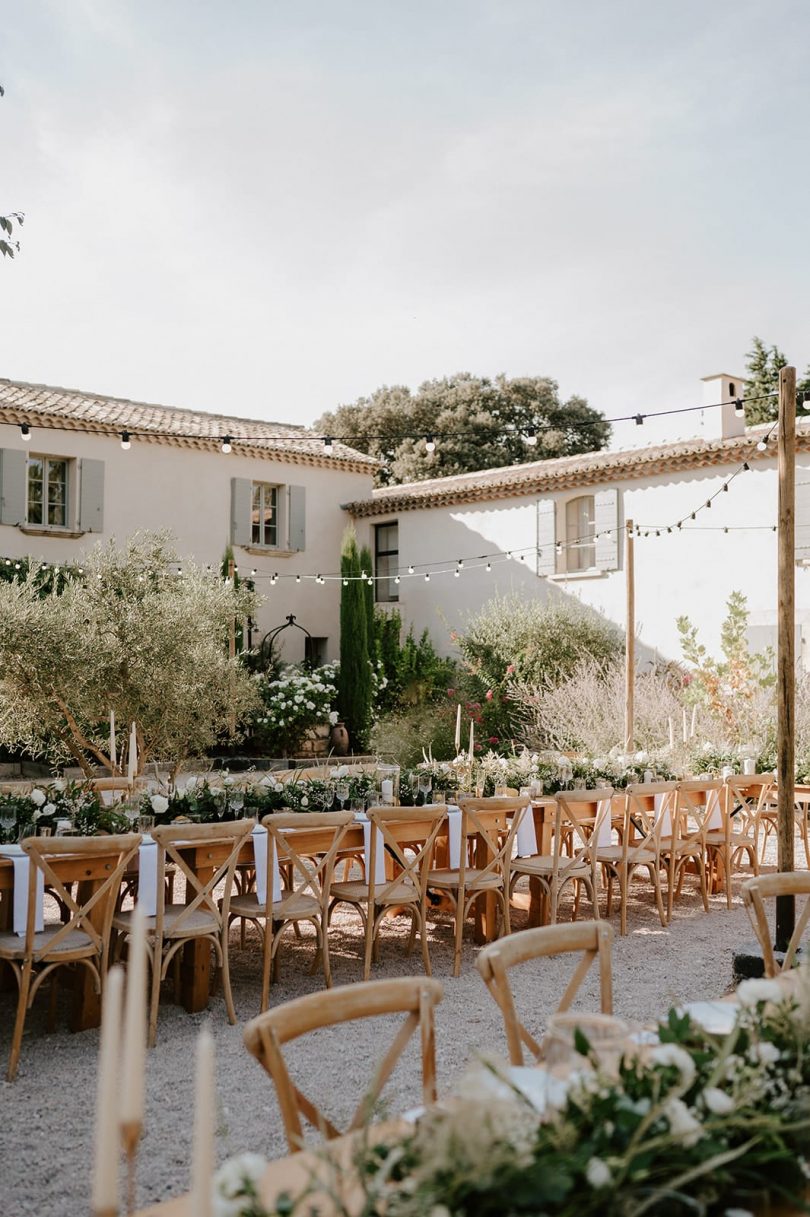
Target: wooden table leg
(195, 975)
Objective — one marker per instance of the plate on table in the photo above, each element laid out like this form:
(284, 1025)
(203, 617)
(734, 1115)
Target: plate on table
(716, 1017)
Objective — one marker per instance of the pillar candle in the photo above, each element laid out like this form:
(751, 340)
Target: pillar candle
(135, 1022)
(458, 729)
(105, 1174)
(693, 727)
(671, 733)
(204, 1103)
(472, 739)
(112, 741)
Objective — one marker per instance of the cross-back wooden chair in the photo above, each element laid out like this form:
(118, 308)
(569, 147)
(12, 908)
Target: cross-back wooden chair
(767, 887)
(648, 810)
(488, 828)
(593, 938)
(97, 865)
(572, 860)
(117, 788)
(266, 1035)
(747, 793)
(408, 836)
(307, 884)
(205, 855)
(701, 803)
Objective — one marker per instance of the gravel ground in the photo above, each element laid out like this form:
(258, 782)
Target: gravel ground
(47, 1114)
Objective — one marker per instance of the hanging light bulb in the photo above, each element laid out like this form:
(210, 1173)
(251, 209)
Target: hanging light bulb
(253, 573)
(530, 438)
(708, 502)
(460, 563)
(410, 570)
(427, 576)
(25, 432)
(430, 444)
(125, 442)
(273, 580)
(739, 408)
(345, 582)
(638, 419)
(746, 467)
(457, 572)
(226, 444)
(762, 445)
(725, 486)
(396, 579)
(328, 445)
(297, 578)
(488, 567)
(693, 515)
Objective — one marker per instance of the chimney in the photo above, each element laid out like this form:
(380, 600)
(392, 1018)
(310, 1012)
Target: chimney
(724, 421)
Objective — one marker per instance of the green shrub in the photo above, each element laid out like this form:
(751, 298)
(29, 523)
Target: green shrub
(354, 687)
(403, 733)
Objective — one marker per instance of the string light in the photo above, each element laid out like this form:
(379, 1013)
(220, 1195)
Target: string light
(739, 408)
(328, 445)
(488, 567)
(762, 446)
(427, 576)
(226, 444)
(530, 438)
(125, 442)
(430, 444)
(25, 432)
(410, 570)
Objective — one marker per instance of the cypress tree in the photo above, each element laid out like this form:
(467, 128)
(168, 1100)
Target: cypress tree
(367, 565)
(354, 686)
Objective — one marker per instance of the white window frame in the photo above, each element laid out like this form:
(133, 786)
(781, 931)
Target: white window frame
(276, 490)
(48, 459)
(392, 588)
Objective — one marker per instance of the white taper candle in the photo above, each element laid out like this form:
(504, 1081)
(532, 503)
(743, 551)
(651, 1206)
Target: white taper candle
(135, 1022)
(105, 1173)
(204, 1107)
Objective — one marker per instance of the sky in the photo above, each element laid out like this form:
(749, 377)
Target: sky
(271, 208)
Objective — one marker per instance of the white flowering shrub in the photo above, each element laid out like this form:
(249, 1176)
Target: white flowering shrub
(292, 705)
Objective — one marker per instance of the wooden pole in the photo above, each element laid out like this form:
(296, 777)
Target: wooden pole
(629, 640)
(785, 655)
(232, 648)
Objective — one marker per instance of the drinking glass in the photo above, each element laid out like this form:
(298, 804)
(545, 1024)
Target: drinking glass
(425, 787)
(357, 805)
(146, 823)
(237, 802)
(327, 796)
(342, 792)
(500, 791)
(7, 822)
(45, 831)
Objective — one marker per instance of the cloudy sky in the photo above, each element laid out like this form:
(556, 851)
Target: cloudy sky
(270, 208)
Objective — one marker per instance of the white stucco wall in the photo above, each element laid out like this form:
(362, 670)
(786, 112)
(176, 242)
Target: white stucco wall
(691, 572)
(156, 486)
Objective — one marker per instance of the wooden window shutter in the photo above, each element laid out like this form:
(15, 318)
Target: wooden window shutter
(606, 522)
(546, 537)
(91, 495)
(241, 496)
(13, 471)
(296, 517)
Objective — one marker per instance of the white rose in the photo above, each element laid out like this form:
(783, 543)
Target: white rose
(310, 705)
(37, 814)
(751, 992)
(49, 809)
(682, 1123)
(766, 1052)
(717, 1101)
(597, 1173)
(228, 781)
(304, 801)
(672, 1054)
(333, 717)
(59, 784)
(38, 797)
(159, 804)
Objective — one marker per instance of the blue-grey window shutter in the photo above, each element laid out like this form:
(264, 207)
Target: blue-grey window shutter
(13, 470)
(91, 495)
(546, 537)
(606, 527)
(296, 517)
(241, 494)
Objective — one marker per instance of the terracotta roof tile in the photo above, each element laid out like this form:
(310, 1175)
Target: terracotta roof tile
(72, 409)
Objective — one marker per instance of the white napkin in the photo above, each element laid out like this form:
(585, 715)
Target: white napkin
(380, 878)
(454, 837)
(259, 836)
(663, 813)
(22, 871)
(526, 837)
(147, 875)
(604, 824)
(714, 816)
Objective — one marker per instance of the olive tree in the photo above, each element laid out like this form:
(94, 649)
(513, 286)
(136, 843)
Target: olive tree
(133, 631)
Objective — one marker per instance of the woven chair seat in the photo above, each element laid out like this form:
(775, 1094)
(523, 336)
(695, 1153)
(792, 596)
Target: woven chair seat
(192, 925)
(295, 905)
(357, 892)
(474, 879)
(12, 946)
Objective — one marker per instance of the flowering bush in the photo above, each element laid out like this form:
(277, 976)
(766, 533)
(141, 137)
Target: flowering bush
(291, 706)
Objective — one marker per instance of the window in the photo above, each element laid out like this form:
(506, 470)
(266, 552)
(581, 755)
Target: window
(264, 515)
(386, 562)
(315, 651)
(580, 548)
(47, 492)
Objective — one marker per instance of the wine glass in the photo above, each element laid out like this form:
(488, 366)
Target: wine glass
(425, 787)
(342, 792)
(327, 796)
(7, 822)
